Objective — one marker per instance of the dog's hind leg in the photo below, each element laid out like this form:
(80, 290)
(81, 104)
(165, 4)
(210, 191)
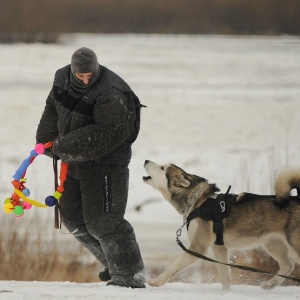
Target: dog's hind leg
(279, 251)
(181, 262)
(221, 254)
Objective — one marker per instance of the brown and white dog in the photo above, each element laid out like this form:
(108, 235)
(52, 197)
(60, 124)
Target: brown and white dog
(269, 223)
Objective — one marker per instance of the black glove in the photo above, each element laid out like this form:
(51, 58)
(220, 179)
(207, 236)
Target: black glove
(48, 152)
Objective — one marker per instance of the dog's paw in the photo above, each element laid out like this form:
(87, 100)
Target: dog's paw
(155, 282)
(268, 285)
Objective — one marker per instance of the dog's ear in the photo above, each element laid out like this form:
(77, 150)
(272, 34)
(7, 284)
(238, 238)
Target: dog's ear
(182, 181)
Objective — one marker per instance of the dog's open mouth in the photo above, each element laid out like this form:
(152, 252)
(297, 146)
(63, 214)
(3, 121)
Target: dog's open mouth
(145, 178)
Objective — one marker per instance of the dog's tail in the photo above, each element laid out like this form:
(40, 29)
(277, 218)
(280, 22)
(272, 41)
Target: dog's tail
(284, 183)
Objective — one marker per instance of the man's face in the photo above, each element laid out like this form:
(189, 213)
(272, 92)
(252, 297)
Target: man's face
(84, 77)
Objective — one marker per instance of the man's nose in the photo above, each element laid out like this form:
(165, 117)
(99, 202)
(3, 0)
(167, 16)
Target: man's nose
(85, 80)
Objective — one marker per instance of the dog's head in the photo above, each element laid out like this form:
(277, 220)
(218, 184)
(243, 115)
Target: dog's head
(176, 185)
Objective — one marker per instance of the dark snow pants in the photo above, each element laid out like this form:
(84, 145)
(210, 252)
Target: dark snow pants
(93, 206)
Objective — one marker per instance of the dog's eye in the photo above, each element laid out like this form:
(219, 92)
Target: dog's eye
(162, 168)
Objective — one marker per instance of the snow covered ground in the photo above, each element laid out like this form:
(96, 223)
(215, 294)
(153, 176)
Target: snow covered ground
(225, 108)
(11, 290)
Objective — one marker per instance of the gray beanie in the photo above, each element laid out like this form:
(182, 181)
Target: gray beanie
(84, 60)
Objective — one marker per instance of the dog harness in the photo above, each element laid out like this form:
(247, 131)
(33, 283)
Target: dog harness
(214, 210)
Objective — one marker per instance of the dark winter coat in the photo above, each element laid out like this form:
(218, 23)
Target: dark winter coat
(97, 126)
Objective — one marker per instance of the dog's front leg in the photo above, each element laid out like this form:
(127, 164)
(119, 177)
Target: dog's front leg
(181, 262)
(221, 254)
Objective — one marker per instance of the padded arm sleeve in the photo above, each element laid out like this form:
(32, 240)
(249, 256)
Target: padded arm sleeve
(47, 129)
(112, 125)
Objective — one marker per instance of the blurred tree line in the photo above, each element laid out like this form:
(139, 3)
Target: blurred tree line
(41, 19)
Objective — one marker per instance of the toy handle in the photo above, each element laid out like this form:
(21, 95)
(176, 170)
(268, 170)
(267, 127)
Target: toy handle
(63, 176)
(26, 162)
(38, 149)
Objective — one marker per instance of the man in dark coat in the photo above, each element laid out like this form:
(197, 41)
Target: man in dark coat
(92, 116)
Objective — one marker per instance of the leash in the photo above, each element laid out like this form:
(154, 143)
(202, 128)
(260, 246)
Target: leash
(59, 188)
(56, 212)
(245, 268)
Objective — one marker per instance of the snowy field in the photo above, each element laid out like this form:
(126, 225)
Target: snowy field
(224, 108)
(11, 290)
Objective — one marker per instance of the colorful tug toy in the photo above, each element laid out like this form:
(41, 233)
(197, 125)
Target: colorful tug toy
(19, 201)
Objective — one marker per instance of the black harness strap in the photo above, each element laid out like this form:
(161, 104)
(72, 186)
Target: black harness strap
(214, 210)
(245, 268)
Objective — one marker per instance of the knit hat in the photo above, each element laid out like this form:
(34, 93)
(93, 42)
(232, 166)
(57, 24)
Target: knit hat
(84, 60)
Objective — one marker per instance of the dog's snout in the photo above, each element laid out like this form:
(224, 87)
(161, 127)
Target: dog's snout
(146, 161)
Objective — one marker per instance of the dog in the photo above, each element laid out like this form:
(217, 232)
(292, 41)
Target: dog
(268, 222)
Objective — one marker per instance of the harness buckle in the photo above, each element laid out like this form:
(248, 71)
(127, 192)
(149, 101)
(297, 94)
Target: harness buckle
(178, 232)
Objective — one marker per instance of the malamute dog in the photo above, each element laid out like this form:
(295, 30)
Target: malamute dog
(269, 222)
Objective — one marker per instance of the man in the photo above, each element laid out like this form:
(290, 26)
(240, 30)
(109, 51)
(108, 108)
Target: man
(92, 115)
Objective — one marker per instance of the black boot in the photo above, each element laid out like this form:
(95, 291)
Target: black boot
(111, 283)
(104, 275)
(123, 256)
